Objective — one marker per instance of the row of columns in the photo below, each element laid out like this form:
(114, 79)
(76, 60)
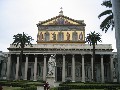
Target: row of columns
(63, 68)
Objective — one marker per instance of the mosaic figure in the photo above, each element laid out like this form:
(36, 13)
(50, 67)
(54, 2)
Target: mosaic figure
(81, 36)
(68, 36)
(54, 36)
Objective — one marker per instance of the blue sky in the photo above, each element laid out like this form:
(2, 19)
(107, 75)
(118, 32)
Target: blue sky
(19, 16)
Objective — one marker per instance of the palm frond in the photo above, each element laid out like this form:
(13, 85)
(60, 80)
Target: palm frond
(107, 4)
(105, 25)
(109, 21)
(105, 13)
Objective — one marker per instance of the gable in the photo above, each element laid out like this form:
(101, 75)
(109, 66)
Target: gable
(61, 20)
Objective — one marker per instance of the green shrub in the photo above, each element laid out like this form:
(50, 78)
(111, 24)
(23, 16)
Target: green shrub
(55, 88)
(28, 88)
(31, 88)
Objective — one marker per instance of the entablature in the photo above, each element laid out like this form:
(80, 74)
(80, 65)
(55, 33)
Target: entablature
(72, 47)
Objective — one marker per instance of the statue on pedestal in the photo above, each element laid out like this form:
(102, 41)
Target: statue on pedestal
(51, 66)
(51, 71)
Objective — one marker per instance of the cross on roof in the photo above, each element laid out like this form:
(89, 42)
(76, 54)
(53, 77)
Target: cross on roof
(61, 12)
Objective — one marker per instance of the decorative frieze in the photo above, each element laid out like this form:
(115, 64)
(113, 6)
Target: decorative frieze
(59, 28)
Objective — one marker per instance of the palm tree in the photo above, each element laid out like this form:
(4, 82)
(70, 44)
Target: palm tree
(108, 21)
(21, 40)
(92, 39)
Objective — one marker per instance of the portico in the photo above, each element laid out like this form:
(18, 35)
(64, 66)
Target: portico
(75, 66)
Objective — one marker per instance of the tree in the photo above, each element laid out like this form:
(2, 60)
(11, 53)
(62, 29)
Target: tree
(108, 21)
(92, 39)
(21, 40)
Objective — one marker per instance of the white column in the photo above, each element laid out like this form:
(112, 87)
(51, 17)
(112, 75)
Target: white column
(8, 66)
(35, 69)
(63, 69)
(92, 67)
(116, 14)
(111, 67)
(83, 69)
(17, 68)
(26, 67)
(44, 69)
(73, 68)
(3, 71)
(102, 69)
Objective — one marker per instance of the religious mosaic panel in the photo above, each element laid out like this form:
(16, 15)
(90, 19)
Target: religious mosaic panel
(60, 36)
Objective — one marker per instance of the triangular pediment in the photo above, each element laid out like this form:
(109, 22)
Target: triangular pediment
(62, 20)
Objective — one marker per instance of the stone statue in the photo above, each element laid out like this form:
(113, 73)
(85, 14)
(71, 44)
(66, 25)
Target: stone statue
(51, 66)
(68, 36)
(41, 36)
(38, 37)
(54, 36)
(81, 36)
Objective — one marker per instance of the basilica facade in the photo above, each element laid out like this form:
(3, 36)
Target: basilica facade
(63, 37)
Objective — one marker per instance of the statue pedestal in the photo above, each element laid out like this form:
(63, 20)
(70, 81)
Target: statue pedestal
(51, 80)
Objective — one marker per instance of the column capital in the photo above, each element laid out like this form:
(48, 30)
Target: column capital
(82, 54)
(26, 55)
(91, 55)
(36, 55)
(101, 55)
(18, 55)
(111, 56)
(9, 55)
(45, 55)
(63, 54)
